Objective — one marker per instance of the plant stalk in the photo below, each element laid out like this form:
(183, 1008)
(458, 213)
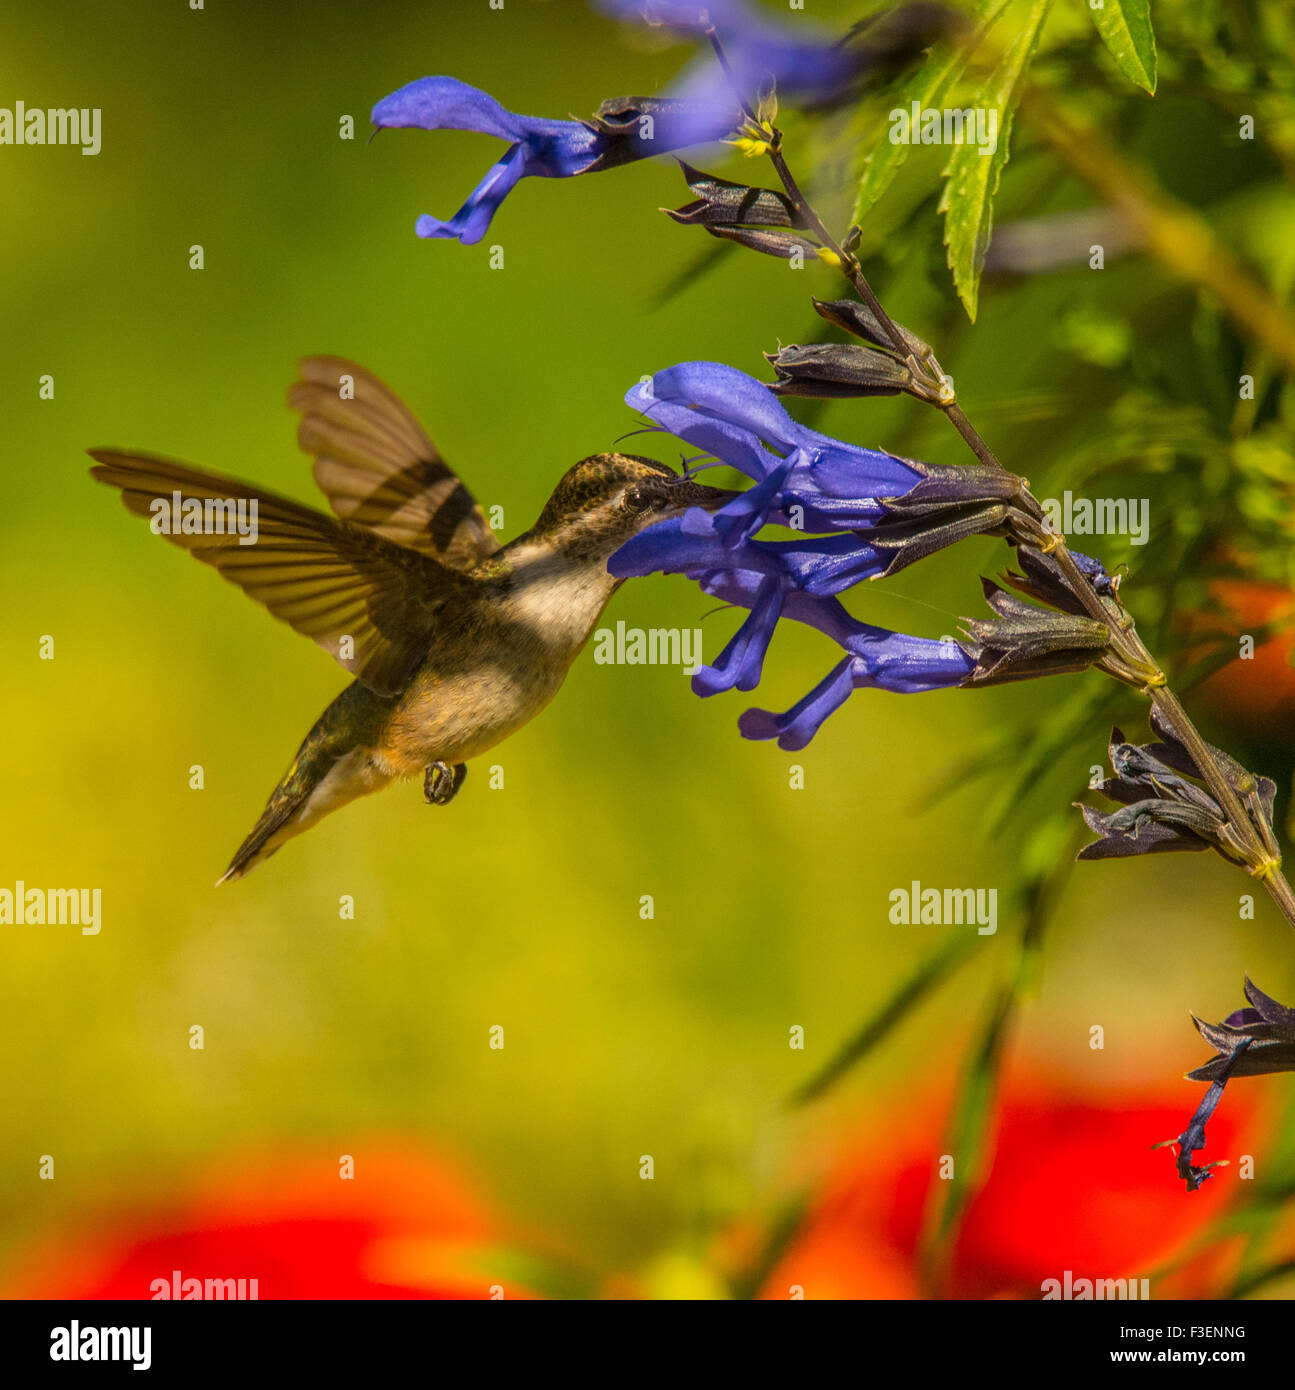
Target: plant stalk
(1124, 638)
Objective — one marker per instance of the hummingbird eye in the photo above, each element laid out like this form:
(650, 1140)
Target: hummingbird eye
(637, 500)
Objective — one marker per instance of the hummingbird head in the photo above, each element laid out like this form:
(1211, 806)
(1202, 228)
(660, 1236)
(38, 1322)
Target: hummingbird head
(604, 500)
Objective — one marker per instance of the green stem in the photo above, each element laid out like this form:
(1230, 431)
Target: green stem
(1124, 639)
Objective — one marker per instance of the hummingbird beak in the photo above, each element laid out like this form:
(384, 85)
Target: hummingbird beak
(685, 493)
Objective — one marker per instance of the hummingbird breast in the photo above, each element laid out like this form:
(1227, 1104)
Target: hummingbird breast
(497, 666)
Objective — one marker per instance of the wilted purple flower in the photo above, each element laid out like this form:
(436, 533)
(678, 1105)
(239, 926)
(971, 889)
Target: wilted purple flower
(1266, 1026)
(1254, 1041)
(1044, 580)
(1163, 809)
(621, 131)
(1193, 1137)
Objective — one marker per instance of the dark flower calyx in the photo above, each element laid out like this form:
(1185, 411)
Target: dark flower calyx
(1266, 1026)
(720, 202)
(858, 319)
(1163, 808)
(760, 219)
(828, 370)
(1254, 1041)
(1043, 580)
(1025, 641)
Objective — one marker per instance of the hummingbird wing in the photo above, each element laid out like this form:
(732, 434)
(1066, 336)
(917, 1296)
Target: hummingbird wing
(330, 580)
(378, 468)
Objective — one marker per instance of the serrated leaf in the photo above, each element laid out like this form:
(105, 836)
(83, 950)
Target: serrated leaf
(972, 177)
(943, 67)
(1125, 27)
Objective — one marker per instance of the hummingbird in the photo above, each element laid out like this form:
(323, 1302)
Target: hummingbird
(454, 641)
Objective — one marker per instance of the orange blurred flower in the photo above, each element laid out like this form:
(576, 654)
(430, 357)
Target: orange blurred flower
(1257, 694)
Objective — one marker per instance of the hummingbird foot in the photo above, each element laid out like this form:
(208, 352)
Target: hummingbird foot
(441, 782)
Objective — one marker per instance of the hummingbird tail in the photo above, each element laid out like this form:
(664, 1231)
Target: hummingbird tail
(278, 812)
(251, 851)
(328, 771)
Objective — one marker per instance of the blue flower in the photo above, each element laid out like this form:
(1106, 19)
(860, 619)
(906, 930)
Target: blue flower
(805, 64)
(727, 414)
(877, 659)
(793, 579)
(819, 565)
(620, 132)
(878, 512)
(815, 483)
(875, 513)
(813, 68)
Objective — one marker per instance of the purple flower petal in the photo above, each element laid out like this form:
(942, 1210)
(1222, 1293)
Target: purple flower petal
(740, 663)
(738, 447)
(539, 147)
(472, 220)
(878, 658)
(737, 521)
(724, 393)
(727, 413)
(756, 48)
(908, 665)
(669, 549)
(802, 721)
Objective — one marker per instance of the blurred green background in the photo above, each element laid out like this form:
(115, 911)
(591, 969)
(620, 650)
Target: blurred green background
(517, 907)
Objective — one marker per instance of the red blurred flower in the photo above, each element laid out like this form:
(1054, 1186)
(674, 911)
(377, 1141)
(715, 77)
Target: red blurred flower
(402, 1227)
(1073, 1184)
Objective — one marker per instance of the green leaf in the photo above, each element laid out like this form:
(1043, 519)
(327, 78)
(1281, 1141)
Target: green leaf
(972, 177)
(1125, 27)
(939, 966)
(707, 258)
(943, 67)
(967, 1136)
